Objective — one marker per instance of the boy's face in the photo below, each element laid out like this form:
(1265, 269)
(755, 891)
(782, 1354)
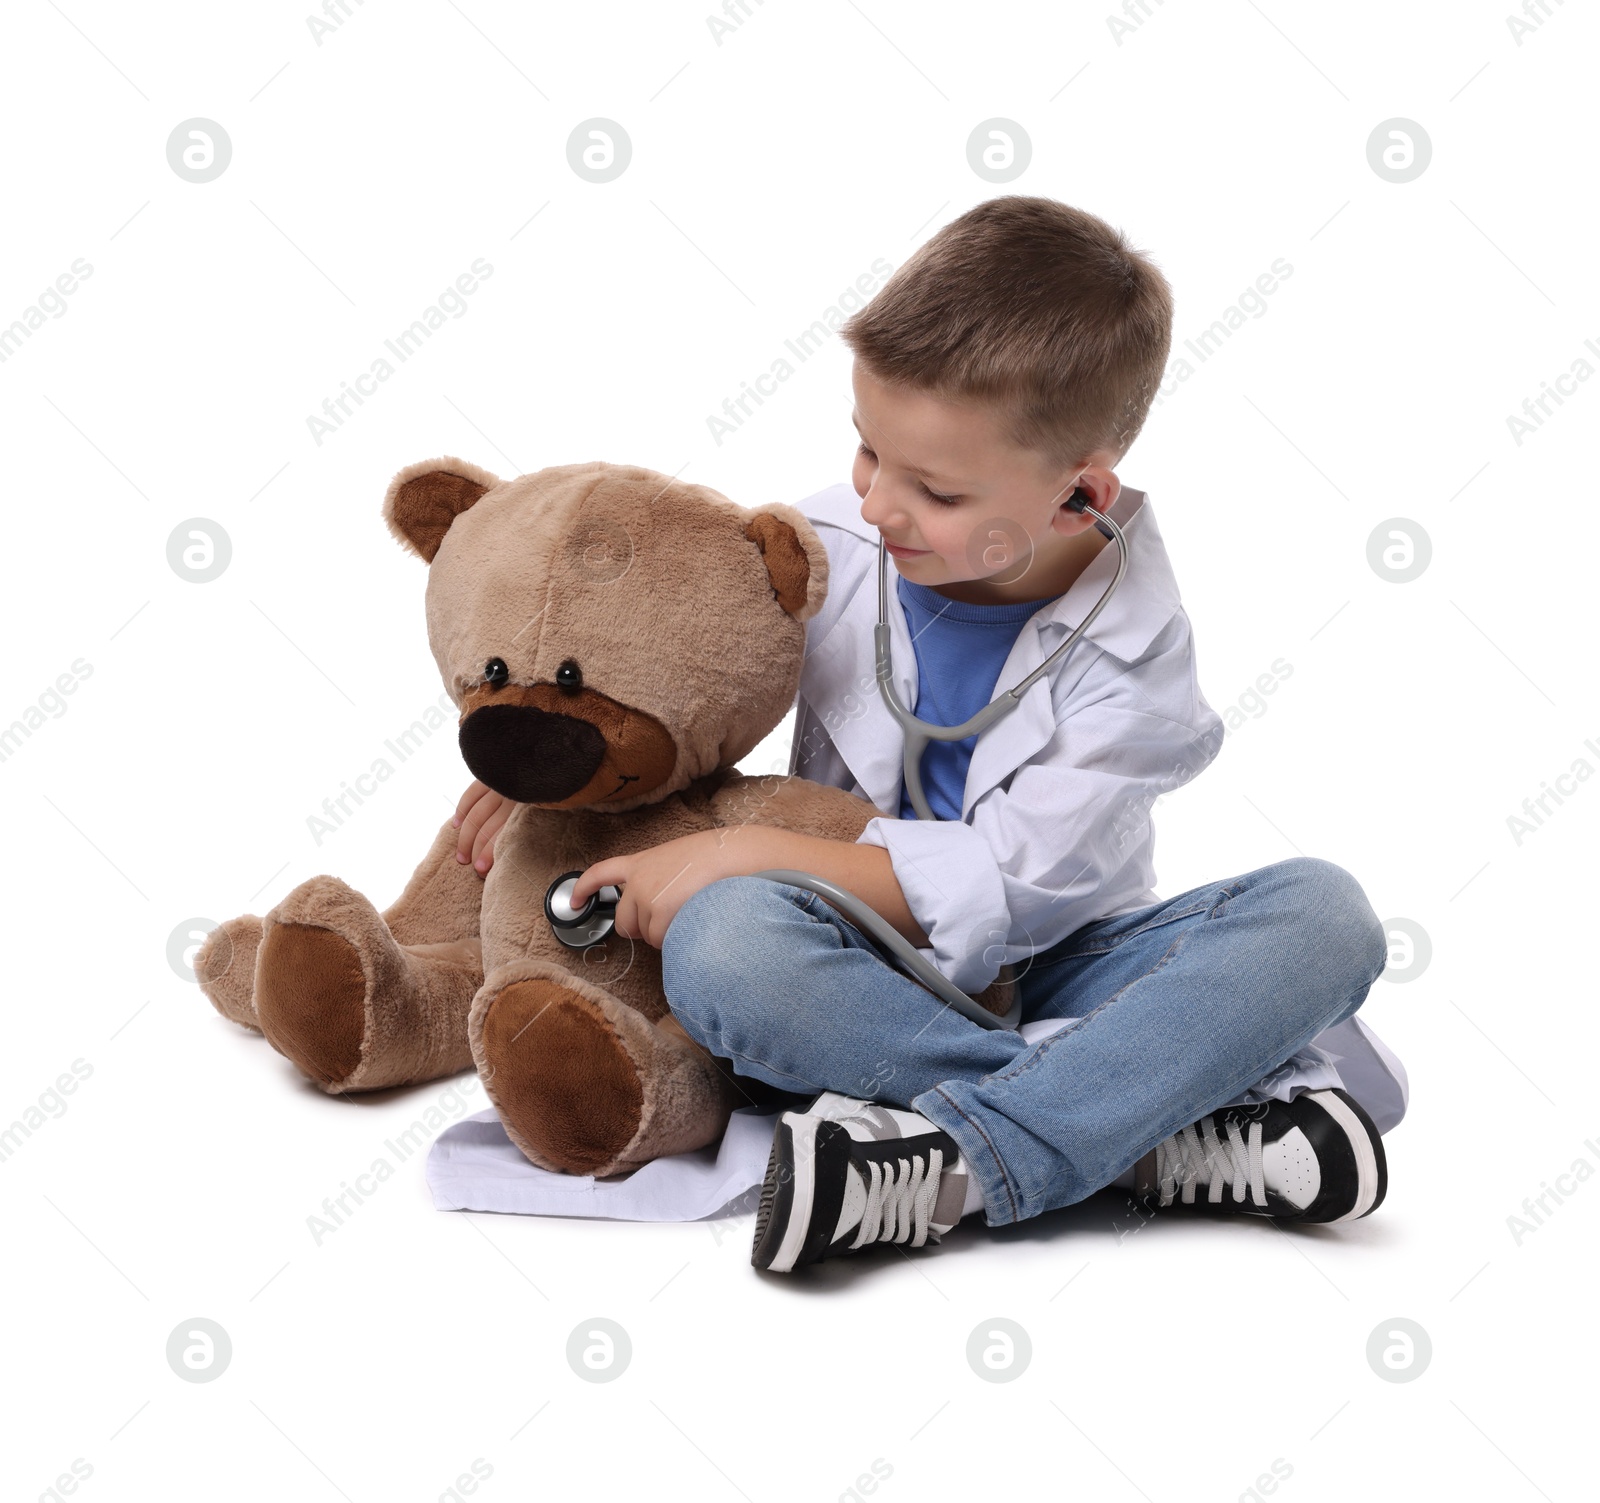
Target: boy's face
(1006, 535)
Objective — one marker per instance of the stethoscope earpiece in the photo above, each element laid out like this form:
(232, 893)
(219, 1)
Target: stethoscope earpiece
(580, 928)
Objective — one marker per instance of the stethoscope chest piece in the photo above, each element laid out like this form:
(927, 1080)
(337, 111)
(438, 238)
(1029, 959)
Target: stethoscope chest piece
(581, 927)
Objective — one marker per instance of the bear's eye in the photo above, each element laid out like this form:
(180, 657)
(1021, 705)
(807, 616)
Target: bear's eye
(569, 676)
(496, 672)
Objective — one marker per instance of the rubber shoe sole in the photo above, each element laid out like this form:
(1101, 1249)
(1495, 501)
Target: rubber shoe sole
(1372, 1165)
(803, 1192)
(777, 1196)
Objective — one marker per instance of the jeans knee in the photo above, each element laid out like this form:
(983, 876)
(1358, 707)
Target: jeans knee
(717, 943)
(1343, 915)
(701, 929)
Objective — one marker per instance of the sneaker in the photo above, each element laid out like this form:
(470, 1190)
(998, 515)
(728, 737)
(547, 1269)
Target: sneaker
(1315, 1158)
(847, 1173)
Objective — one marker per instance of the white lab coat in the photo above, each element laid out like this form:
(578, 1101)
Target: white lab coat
(1055, 830)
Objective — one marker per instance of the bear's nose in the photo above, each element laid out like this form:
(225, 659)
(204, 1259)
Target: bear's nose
(531, 755)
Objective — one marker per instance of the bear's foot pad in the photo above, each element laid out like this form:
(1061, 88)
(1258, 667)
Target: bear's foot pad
(310, 999)
(561, 1075)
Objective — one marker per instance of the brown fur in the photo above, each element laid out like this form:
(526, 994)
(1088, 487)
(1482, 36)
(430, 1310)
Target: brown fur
(683, 615)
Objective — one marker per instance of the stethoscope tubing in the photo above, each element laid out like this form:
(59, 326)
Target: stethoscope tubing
(919, 732)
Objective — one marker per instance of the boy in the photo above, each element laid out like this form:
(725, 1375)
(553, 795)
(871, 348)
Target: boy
(1004, 369)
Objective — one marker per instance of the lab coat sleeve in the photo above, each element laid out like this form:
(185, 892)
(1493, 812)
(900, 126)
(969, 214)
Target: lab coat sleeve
(1067, 842)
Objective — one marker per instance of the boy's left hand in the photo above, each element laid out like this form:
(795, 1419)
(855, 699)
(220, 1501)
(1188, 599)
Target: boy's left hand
(657, 882)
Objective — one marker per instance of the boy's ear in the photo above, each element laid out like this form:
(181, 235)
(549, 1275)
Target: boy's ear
(796, 558)
(425, 498)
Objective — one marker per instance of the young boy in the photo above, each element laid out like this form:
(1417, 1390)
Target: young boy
(1003, 370)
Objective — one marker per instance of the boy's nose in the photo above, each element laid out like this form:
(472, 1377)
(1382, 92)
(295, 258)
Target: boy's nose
(877, 510)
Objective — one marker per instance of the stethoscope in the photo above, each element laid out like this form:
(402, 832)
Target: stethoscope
(582, 928)
(918, 733)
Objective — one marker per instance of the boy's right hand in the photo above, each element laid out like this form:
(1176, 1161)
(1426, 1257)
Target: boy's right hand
(479, 816)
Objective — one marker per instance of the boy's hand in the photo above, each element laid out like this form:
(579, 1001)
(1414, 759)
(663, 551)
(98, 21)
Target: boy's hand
(479, 816)
(657, 882)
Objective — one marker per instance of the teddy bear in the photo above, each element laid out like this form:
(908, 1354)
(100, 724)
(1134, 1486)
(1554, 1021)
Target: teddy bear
(615, 640)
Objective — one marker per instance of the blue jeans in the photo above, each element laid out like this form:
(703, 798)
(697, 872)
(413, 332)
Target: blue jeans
(1178, 1008)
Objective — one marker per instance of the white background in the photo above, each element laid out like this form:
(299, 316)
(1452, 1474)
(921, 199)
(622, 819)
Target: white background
(769, 171)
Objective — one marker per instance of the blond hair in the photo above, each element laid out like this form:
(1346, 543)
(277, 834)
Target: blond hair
(1038, 310)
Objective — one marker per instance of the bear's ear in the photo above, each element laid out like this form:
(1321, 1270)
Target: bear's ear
(425, 498)
(796, 560)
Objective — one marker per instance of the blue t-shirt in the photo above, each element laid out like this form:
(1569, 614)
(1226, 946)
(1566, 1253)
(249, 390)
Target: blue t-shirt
(960, 651)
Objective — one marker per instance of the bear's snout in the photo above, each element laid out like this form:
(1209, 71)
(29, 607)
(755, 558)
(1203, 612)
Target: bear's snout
(562, 747)
(531, 755)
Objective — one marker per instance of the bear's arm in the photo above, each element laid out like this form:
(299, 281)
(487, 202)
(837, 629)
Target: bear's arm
(789, 803)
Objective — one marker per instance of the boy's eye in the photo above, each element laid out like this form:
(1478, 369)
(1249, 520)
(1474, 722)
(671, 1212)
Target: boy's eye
(931, 495)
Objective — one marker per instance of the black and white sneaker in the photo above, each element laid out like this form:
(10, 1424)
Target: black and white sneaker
(846, 1173)
(1315, 1158)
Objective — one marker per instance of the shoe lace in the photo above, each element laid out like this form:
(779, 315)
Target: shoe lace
(900, 1199)
(1188, 1158)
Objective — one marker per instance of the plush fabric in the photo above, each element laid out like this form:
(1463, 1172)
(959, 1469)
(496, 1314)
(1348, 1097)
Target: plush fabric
(652, 634)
